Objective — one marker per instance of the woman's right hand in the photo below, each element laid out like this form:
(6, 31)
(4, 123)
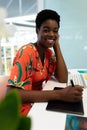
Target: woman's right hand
(71, 94)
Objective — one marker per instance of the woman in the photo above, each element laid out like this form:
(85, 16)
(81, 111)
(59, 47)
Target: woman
(35, 63)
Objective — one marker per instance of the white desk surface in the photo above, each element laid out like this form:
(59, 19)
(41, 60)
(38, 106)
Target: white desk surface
(47, 120)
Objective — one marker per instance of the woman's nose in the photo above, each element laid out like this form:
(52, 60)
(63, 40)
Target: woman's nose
(51, 33)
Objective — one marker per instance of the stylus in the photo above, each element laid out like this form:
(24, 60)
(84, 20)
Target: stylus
(72, 83)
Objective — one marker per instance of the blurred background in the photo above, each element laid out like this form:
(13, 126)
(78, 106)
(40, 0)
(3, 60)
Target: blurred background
(73, 29)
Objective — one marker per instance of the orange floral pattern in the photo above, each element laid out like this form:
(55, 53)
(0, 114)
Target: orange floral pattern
(28, 72)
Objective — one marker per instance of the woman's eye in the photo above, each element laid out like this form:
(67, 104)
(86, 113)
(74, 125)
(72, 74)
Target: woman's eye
(46, 30)
(56, 31)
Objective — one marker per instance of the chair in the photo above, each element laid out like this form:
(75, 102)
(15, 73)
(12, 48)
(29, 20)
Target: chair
(3, 88)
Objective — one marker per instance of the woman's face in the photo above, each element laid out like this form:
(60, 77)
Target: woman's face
(48, 33)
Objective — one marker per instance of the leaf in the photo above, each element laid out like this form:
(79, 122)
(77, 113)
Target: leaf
(25, 123)
(9, 111)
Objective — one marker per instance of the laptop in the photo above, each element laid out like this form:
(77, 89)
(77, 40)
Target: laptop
(66, 107)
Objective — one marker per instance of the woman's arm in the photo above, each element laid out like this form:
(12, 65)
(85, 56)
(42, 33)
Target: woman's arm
(61, 72)
(70, 93)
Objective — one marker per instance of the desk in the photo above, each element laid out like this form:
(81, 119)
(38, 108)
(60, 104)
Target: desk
(48, 120)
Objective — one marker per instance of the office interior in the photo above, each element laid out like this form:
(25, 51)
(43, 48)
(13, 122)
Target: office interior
(73, 29)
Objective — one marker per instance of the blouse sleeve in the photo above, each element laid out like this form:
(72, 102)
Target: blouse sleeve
(19, 76)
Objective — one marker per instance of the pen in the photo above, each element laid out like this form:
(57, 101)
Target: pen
(72, 83)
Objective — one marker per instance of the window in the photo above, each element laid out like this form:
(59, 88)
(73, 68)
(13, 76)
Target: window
(21, 14)
(17, 8)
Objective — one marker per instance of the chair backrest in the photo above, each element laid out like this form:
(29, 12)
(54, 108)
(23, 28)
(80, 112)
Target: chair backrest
(3, 88)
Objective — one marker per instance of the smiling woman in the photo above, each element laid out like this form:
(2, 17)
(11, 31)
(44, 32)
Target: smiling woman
(36, 63)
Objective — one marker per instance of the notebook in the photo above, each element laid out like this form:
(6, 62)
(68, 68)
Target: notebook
(66, 107)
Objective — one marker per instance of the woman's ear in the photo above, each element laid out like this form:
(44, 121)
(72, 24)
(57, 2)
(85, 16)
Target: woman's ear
(37, 30)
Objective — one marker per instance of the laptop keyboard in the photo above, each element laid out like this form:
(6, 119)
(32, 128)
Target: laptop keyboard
(77, 79)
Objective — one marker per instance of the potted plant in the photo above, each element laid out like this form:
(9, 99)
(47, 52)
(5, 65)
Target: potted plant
(10, 118)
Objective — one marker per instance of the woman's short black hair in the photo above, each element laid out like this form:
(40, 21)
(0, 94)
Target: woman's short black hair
(45, 15)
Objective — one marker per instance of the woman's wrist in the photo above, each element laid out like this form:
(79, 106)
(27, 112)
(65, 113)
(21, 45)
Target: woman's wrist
(56, 95)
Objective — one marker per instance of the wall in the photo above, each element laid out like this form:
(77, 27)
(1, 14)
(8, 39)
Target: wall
(73, 30)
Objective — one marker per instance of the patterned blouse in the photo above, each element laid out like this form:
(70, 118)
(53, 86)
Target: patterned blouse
(28, 72)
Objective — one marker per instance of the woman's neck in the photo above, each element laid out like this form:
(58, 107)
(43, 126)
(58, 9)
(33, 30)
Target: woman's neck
(42, 51)
(40, 47)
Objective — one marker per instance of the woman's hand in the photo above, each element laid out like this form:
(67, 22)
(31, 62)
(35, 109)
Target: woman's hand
(71, 94)
(56, 43)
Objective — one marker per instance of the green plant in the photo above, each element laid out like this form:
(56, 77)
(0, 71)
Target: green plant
(10, 118)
